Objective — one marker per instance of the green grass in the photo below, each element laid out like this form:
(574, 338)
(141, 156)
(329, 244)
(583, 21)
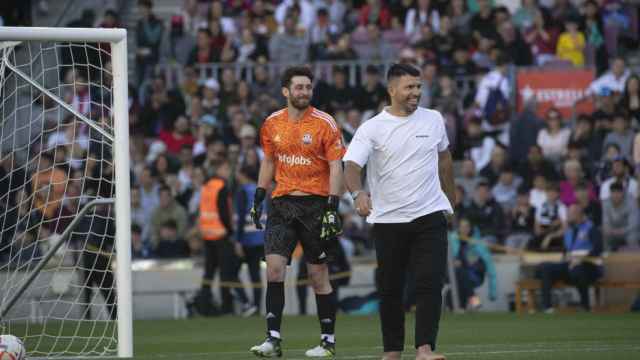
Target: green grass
(471, 336)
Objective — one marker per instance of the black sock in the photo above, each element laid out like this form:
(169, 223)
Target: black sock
(327, 312)
(275, 305)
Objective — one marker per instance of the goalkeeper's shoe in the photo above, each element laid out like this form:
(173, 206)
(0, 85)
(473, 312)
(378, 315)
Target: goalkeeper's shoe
(324, 350)
(268, 349)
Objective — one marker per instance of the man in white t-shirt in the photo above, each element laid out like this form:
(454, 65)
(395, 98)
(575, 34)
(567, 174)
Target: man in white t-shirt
(410, 177)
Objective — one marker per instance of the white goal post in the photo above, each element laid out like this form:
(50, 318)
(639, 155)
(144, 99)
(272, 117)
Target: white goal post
(104, 125)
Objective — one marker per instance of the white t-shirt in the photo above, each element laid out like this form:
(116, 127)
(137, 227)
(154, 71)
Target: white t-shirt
(401, 154)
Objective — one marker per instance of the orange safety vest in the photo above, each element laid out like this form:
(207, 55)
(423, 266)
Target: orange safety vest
(211, 227)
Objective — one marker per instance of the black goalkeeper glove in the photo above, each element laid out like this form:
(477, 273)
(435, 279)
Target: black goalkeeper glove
(331, 224)
(256, 210)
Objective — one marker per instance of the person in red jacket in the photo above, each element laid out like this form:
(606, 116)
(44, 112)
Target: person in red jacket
(178, 137)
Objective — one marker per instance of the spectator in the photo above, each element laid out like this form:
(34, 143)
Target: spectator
(197, 181)
(178, 137)
(614, 80)
(493, 81)
(429, 83)
(542, 37)
(168, 209)
(374, 12)
(591, 207)
(485, 213)
(584, 139)
(170, 242)
(371, 93)
(496, 166)
(562, 10)
(319, 34)
(446, 99)
(513, 45)
(306, 17)
(594, 32)
(139, 249)
(341, 49)
(630, 101)
(460, 16)
(553, 140)
(619, 173)
(340, 96)
(203, 52)
(424, 12)
(582, 242)
(538, 193)
(571, 43)
(480, 146)
(371, 45)
(216, 15)
(472, 263)
(248, 236)
(468, 179)
(620, 219)
(48, 186)
(526, 14)
(505, 191)
(251, 48)
(523, 131)
(149, 31)
(550, 222)
(483, 22)
(573, 175)
(288, 45)
(141, 216)
(621, 135)
(462, 68)
(262, 83)
(446, 41)
(522, 217)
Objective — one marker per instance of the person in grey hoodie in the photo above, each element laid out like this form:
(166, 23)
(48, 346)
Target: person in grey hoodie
(620, 219)
(288, 46)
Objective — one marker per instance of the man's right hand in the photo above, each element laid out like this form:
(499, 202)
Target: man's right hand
(363, 204)
(256, 209)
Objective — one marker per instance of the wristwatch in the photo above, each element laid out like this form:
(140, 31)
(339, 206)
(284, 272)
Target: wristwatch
(354, 194)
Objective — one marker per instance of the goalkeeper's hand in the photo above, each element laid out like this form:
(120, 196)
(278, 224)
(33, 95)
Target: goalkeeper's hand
(256, 209)
(331, 224)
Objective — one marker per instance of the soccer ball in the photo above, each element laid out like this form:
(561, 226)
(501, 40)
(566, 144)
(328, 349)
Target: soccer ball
(11, 348)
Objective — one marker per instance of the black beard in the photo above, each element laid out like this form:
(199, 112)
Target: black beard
(297, 104)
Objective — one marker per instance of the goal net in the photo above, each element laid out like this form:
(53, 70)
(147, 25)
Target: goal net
(64, 183)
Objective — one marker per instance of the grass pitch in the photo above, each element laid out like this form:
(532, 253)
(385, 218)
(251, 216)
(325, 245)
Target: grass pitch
(470, 336)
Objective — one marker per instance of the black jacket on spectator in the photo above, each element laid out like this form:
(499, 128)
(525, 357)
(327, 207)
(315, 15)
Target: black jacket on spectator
(489, 217)
(370, 100)
(523, 134)
(528, 171)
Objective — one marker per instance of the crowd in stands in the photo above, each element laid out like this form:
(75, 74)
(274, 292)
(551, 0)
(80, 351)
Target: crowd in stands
(519, 173)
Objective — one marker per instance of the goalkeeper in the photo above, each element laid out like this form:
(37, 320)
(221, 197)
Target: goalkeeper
(303, 151)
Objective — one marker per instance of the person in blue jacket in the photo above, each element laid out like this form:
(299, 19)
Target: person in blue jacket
(581, 266)
(250, 240)
(473, 262)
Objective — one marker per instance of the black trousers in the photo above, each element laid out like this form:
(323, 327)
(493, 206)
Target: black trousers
(582, 276)
(419, 246)
(219, 255)
(98, 273)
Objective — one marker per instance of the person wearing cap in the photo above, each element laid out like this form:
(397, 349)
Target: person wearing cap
(620, 173)
(411, 191)
(620, 219)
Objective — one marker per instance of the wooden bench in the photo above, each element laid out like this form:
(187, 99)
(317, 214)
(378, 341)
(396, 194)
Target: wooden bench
(531, 285)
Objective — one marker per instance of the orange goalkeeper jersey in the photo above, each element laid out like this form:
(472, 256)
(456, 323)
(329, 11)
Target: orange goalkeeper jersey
(301, 150)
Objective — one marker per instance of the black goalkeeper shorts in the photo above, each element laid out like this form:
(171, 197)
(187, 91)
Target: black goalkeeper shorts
(297, 218)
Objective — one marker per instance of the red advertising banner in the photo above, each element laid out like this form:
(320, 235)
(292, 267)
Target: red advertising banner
(560, 88)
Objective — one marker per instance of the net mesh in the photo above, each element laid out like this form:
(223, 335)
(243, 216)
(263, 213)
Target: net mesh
(55, 131)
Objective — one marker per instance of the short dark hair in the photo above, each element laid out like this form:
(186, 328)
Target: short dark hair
(617, 186)
(398, 70)
(293, 71)
(164, 188)
(170, 224)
